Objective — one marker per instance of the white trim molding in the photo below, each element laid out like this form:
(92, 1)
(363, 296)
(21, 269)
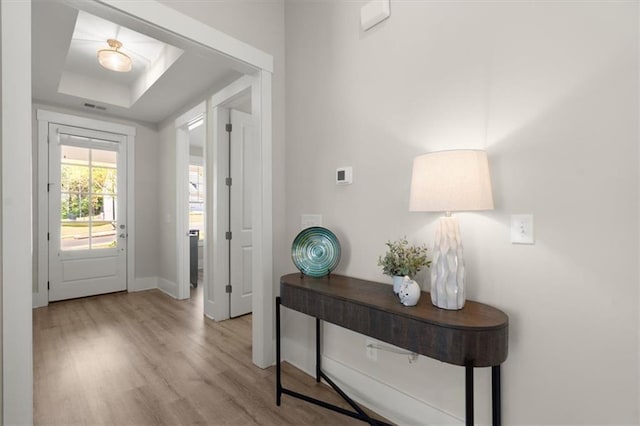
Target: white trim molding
(216, 302)
(143, 284)
(233, 91)
(168, 287)
(263, 312)
(84, 122)
(17, 225)
(389, 402)
(165, 17)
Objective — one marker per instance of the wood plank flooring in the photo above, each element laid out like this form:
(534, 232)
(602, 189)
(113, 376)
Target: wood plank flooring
(147, 359)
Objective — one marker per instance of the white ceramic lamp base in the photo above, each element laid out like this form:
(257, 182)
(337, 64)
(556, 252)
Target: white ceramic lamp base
(447, 267)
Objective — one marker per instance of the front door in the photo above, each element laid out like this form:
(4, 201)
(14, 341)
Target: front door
(87, 212)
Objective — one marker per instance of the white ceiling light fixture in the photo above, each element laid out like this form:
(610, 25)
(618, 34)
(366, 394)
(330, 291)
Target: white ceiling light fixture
(112, 59)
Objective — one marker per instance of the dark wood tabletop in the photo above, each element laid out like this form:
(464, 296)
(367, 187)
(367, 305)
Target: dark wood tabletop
(476, 335)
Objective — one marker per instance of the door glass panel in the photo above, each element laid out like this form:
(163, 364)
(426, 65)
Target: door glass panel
(103, 223)
(74, 225)
(103, 180)
(74, 178)
(88, 193)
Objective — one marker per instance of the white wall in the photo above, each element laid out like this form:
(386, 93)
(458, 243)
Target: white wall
(259, 23)
(146, 191)
(550, 89)
(166, 175)
(148, 221)
(167, 205)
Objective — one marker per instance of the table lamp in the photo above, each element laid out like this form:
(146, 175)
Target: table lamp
(448, 181)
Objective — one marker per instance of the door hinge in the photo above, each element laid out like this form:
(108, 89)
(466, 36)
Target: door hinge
(48, 235)
(228, 289)
(228, 127)
(228, 181)
(48, 187)
(227, 235)
(47, 285)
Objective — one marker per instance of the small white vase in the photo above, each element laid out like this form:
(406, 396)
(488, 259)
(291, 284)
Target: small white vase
(397, 282)
(409, 292)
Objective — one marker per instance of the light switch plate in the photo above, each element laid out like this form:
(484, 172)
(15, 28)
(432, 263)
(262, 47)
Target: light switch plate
(522, 229)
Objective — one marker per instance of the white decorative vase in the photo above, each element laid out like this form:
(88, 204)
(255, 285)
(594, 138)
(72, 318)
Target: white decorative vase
(409, 293)
(447, 266)
(397, 282)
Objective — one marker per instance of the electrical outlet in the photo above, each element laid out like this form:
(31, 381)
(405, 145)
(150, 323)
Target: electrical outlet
(372, 350)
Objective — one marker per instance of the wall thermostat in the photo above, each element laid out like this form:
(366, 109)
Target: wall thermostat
(344, 175)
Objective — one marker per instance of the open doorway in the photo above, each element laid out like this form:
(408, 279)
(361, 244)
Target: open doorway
(196, 204)
(197, 41)
(191, 212)
(235, 261)
(17, 300)
(228, 157)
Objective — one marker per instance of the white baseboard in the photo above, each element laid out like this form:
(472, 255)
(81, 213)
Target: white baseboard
(168, 287)
(40, 300)
(145, 283)
(139, 284)
(387, 401)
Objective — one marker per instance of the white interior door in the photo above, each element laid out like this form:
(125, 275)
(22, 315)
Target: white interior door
(87, 212)
(243, 163)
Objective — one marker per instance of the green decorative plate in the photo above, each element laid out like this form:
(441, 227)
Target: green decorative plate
(315, 251)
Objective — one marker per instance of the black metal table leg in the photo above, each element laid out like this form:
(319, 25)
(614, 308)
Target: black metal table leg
(359, 413)
(468, 395)
(278, 369)
(496, 403)
(318, 351)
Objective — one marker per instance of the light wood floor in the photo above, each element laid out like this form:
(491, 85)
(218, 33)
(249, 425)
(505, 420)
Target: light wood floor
(145, 358)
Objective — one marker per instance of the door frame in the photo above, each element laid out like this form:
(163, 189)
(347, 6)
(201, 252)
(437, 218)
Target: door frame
(182, 197)
(217, 259)
(259, 85)
(44, 118)
(261, 64)
(17, 155)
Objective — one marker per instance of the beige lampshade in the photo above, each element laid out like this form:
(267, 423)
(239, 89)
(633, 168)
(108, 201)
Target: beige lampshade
(447, 181)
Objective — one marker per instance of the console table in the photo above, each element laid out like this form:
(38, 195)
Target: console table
(475, 336)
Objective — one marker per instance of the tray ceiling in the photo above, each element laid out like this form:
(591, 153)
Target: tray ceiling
(169, 73)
